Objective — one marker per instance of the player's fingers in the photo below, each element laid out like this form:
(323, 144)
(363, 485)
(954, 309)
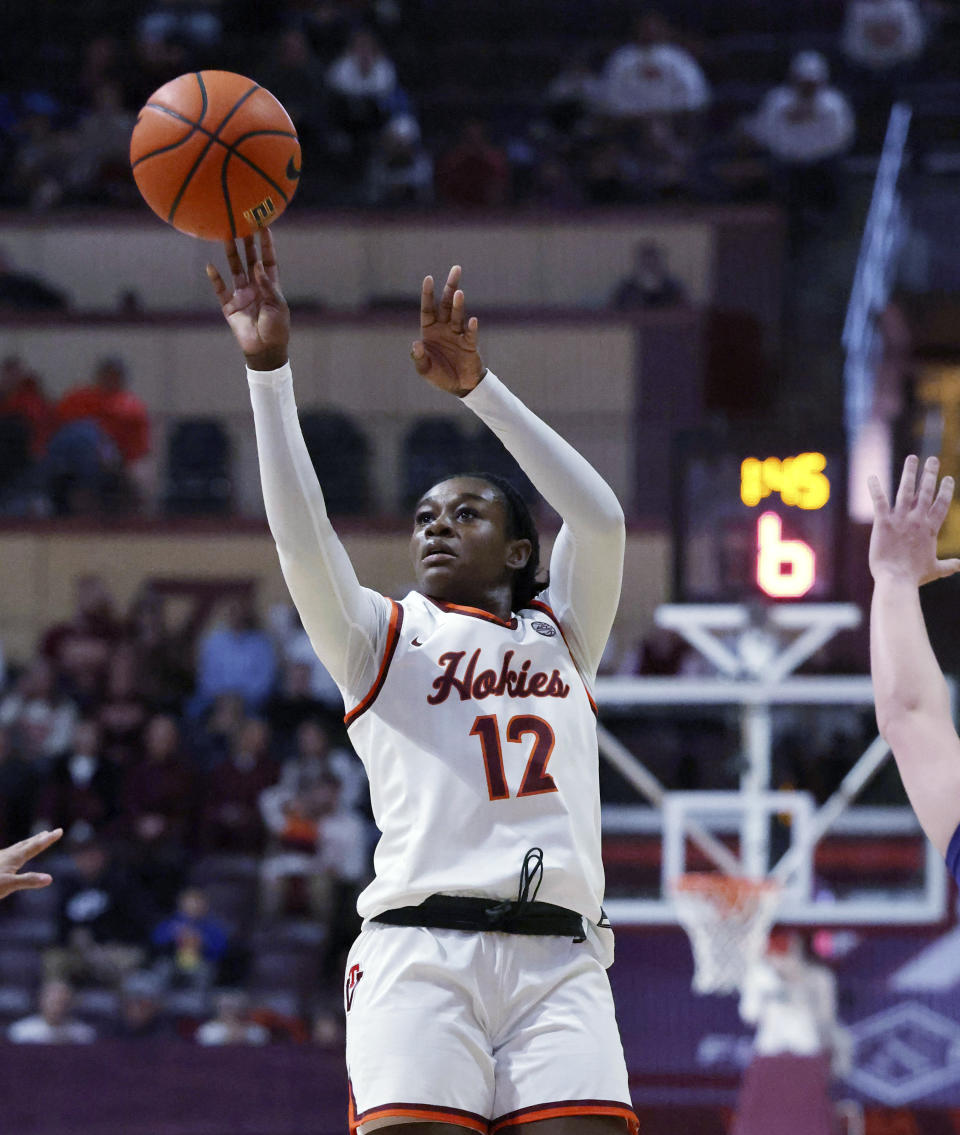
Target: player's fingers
(941, 502)
(266, 288)
(470, 334)
(250, 253)
(456, 311)
(235, 263)
(428, 310)
(881, 506)
(31, 881)
(421, 360)
(219, 287)
(908, 483)
(268, 255)
(449, 291)
(947, 567)
(928, 483)
(19, 853)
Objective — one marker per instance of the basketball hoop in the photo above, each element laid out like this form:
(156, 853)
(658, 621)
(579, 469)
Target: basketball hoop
(728, 920)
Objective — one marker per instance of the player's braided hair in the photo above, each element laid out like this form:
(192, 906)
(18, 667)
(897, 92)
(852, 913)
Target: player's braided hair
(520, 526)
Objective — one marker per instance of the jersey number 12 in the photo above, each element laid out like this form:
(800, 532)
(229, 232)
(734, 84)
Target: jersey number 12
(535, 778)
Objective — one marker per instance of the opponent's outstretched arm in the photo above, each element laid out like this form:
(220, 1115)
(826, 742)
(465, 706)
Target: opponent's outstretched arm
(14, 857)
(586, 566)
(912, 699)
(343, 619)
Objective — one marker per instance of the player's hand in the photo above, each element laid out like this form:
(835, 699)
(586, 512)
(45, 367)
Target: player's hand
(446, 353)
(256, 310)
(903, 543)
(13, 858)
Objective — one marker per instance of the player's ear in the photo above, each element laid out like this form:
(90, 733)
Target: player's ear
(518, 553)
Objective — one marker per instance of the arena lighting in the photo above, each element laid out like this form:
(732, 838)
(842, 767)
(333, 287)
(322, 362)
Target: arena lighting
(786, 569)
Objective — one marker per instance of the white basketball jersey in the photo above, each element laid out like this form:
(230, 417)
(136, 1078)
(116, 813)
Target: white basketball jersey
(479, 739)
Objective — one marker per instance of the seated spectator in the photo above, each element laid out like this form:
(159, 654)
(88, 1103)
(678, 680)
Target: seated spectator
(806, 125)
(232, 1024)
(653, 75)
(315, 755)
(400, 170)
(52, 1024)
(158, 810)
(141, 1009)
(294, 645)
(25, 291)
(22, 396)
(474, 172)
(101, 917)
(101, 452)
(191, 943)
(238, 658)
(214, 738)
(295, 75)
(164, 671)
(574, 94)
(124, 712)
(82, 787)
(19, 782)
(195, 23)
(38, 709)
(36, 174)
(99, 168)
(650, 283)
(363, 90)
(880, 35)
(230, 817)
(94, 622)
(294, 703)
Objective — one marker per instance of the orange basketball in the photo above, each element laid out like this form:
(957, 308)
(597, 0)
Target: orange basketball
(215, 155)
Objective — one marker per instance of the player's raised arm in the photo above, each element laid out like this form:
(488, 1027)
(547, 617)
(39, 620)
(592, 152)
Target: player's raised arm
(912, 701)
(13, 858)
(343, 619)
(587, 561)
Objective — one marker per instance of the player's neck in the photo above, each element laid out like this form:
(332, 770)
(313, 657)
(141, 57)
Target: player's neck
(498, 602)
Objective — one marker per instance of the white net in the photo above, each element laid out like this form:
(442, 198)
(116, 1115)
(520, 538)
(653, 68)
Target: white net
(728, 920)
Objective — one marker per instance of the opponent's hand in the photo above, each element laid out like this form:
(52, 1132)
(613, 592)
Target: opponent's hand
(446, 353)
(904, 538)
(255, 310)
(13, 858)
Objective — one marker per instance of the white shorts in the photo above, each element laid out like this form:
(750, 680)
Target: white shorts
(481, 1030)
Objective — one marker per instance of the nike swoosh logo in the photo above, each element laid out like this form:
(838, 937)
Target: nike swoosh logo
(416, 641)
(293, 170)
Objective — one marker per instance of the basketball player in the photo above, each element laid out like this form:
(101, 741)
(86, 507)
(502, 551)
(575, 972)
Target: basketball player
(14, 857)
(476, 995)
(913, 706)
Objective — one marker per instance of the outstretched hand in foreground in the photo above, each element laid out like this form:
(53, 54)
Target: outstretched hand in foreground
(904, 538)
(255, 309)
(13, 858)
(446, 353)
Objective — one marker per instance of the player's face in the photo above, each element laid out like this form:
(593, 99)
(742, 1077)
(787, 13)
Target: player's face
(460, 548)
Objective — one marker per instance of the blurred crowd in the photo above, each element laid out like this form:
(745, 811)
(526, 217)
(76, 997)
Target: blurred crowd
(217, 822)
(395, 109)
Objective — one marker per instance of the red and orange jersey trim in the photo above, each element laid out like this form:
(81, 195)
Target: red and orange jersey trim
(469, 1120)
(564, 1109)
(393, 637)
(539, 605)
(475, 613)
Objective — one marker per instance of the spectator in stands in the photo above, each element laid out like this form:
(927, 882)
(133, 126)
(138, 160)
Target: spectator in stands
(26, 291)
(363, 92)
(103, 445)
(238, 658)
(14, 857)
(164, 673)
(314, 755)
(159, 809)
(650, 283)
(53, 1023)
(611, 175)
(806, 125)
(574, 94)
(40, 713)
(881, 36)
(653, 75)
(295, 703)
(230, 818)
(232, 1025)
(101, 917)
(99, 166)
(190, 943)
(296, 76)
(294, 646)
(82, 787)
(474, 172)
(37, 170)
(123, 715)
(94, 623)
(195, 23)
(141, 1009)
(22, 395)
(19, 782)
(400, 170)
(214, 738)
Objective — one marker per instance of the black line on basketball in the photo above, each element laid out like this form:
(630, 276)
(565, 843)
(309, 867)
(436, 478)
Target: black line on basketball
(206, 149)
(172, 146)
(226, 194)
(203, 95)
(234, 152)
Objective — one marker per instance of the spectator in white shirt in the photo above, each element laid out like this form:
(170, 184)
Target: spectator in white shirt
(880, 35)
(806, 120)
(231, 1024)
(652, 75)
(363, 83)
(53, 1023)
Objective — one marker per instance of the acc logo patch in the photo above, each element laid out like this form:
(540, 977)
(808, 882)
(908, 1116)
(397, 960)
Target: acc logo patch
(545, 629)
(353, 980)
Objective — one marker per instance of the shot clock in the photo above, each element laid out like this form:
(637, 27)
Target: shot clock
(758, 515)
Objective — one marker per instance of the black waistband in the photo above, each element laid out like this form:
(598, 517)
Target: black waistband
(452, 912)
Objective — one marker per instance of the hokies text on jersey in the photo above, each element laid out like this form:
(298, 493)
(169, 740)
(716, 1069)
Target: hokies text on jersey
(512, 683)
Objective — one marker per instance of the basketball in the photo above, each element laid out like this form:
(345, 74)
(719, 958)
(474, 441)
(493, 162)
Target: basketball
(215, 155)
